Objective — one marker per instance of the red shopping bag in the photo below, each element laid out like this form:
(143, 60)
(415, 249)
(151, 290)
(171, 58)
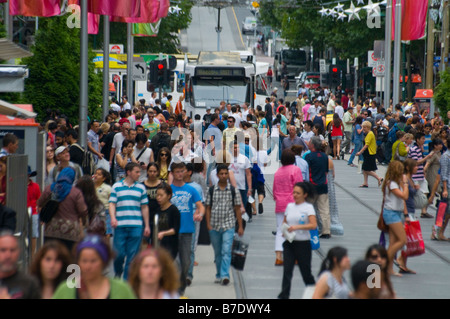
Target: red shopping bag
(441, 212)
(415, 245)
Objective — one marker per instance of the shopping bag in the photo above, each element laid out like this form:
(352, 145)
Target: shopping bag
(315, 242)
(415, 245)
(239, 251)
(442, 208)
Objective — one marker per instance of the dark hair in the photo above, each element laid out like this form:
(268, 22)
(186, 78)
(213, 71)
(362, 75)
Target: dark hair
(130, 166)
(418, 135)
(73, 133)
(329, 262)
(360, 273)
(169, 157)
(307, 188)
(141, 138)
(309, 122)
(105, 174)
(434, 142)
(166, 188)
(297, 149)
(220, 167)
(125, 143)
(383, 253)
(63, 255)
(153, 164)
(87, 187)
(176, 165)
(287, 157)
(10, 138)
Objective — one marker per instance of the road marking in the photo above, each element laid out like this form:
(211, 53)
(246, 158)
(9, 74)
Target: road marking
(237, 24)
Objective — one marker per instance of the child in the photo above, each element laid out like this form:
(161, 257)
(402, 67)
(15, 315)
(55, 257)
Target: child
(33, 194)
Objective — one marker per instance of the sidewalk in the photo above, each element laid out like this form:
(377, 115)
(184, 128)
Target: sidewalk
(203, 286)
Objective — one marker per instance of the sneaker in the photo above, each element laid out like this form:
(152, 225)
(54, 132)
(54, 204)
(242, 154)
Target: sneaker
(225, 281)
(325, 236)
(260, 208)
(188, 281)
(217, 281)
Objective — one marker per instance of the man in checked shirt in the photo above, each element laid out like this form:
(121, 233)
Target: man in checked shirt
(222, 210)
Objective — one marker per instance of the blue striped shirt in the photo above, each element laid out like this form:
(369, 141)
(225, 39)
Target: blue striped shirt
(128, 200)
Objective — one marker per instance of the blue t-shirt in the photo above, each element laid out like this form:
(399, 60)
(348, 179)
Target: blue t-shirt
(184, 198)
(318, 171)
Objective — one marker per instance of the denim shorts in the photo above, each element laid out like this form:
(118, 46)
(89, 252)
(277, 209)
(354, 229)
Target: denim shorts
(334, 138)
(392, 216)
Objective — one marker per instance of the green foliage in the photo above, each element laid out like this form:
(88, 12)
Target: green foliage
(54, 68)
(442, 94)
(302, 25)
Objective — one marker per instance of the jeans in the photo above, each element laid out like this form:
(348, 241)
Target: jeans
(184, 255)
(222, 241)
(126, 243)
(301, 252)
(358, 147)
(194, 242)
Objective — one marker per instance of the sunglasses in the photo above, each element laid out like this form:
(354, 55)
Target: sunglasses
(164, 154)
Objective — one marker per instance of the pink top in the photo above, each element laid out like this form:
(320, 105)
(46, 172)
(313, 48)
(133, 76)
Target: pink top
(283, 184)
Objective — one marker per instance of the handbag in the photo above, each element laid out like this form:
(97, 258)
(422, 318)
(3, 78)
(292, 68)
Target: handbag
(397, 154)
(381, 225)
(415, 245)
(315, 242)
(420, 200)
(49, 209)
(97, 226)
(442, 208)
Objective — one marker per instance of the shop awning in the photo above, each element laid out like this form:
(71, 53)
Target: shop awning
(9, 50)
(424, 94)
(15, 111)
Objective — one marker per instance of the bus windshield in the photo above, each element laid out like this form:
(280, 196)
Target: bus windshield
(292, 56)
(210, 92)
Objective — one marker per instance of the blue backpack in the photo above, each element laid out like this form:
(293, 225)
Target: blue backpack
(392, 135)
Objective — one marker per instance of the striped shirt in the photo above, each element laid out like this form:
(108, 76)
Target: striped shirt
(222, 213)
(128, 200)
(415, 152)
(445, 168)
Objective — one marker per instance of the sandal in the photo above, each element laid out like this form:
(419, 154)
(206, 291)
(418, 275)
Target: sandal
(406, 271)
(363, 186)
(380, 182)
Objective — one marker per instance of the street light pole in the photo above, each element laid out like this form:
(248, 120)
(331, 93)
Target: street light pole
(387, 55)
(218, 29)
(83, 112)
(397, 52)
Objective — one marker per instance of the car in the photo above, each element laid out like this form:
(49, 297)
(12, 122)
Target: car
(312, 82)
(249, 25)
(300, 79)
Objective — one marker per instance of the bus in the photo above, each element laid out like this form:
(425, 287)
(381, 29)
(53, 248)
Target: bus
(221, 76)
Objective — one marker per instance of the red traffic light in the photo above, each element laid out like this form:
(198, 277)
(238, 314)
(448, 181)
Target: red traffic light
(160, 66)
(334, 70)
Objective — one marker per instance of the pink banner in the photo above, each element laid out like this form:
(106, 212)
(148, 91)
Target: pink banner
(34, 8)
(93, 19)
(115, 8)
(149, 13)
(414, 19)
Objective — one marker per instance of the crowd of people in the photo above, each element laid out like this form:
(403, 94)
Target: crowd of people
(150, 176)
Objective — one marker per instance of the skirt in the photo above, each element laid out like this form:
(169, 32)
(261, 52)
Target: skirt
(370, 162)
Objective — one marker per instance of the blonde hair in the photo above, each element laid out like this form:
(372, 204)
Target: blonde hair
(394, 173)
(366, 124)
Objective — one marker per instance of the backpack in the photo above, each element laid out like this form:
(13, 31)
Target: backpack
(164, 141)
(49, 209)
(211, 192)
(88, 164)
(392, 135)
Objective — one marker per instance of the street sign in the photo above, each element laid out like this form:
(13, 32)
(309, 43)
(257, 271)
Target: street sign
(372, 60)
(380, 68)
(323, 66)
(116, 78)
(139, 71)
(116, 49)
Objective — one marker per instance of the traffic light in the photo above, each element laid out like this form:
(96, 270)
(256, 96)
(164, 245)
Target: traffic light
(335, 75)
(158, 75)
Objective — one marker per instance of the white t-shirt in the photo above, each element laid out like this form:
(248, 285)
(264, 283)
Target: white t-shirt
(299, 214)
(275, 131)
(145, 157)
(306, 136)
(115, 107)
(340, 111)
(391, 201)
(238, 166)
(127, 106)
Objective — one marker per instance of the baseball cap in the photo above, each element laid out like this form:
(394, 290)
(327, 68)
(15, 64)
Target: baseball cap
(60, 149)
(30, 172)
(123, 120)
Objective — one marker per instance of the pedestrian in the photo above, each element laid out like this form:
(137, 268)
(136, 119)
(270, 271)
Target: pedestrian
(93, 255)
(96, 209)
(336, 227)
(124, 157)
(185, 197)
(151, 185)
(360, 277)
(395, 193)
(65, 225)
(378, 254)
(128, 207)
(168, 221)
(369, 151)
(300, 162)
(300, 216)
(416, 152)
(222, 213)
(318, 175)
(331, 282)
(283, 184)
(49, 267)
(153, 275)
(433, 164)
(63, 157)
(102, 183)
(348, 120)
(164, 159)
(15, 284)
(337, 132)
(357, 139)
(33, 194)
(445, 177)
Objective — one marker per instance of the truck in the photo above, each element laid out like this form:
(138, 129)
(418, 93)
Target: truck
(295, 60)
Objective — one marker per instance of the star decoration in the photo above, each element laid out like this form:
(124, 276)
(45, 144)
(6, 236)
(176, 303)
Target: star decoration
(332, 13)
(341, 16)
(175, 10)
(339, 7)
(372, 8)
(359, 2)
(352, 12)
(323, 12)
